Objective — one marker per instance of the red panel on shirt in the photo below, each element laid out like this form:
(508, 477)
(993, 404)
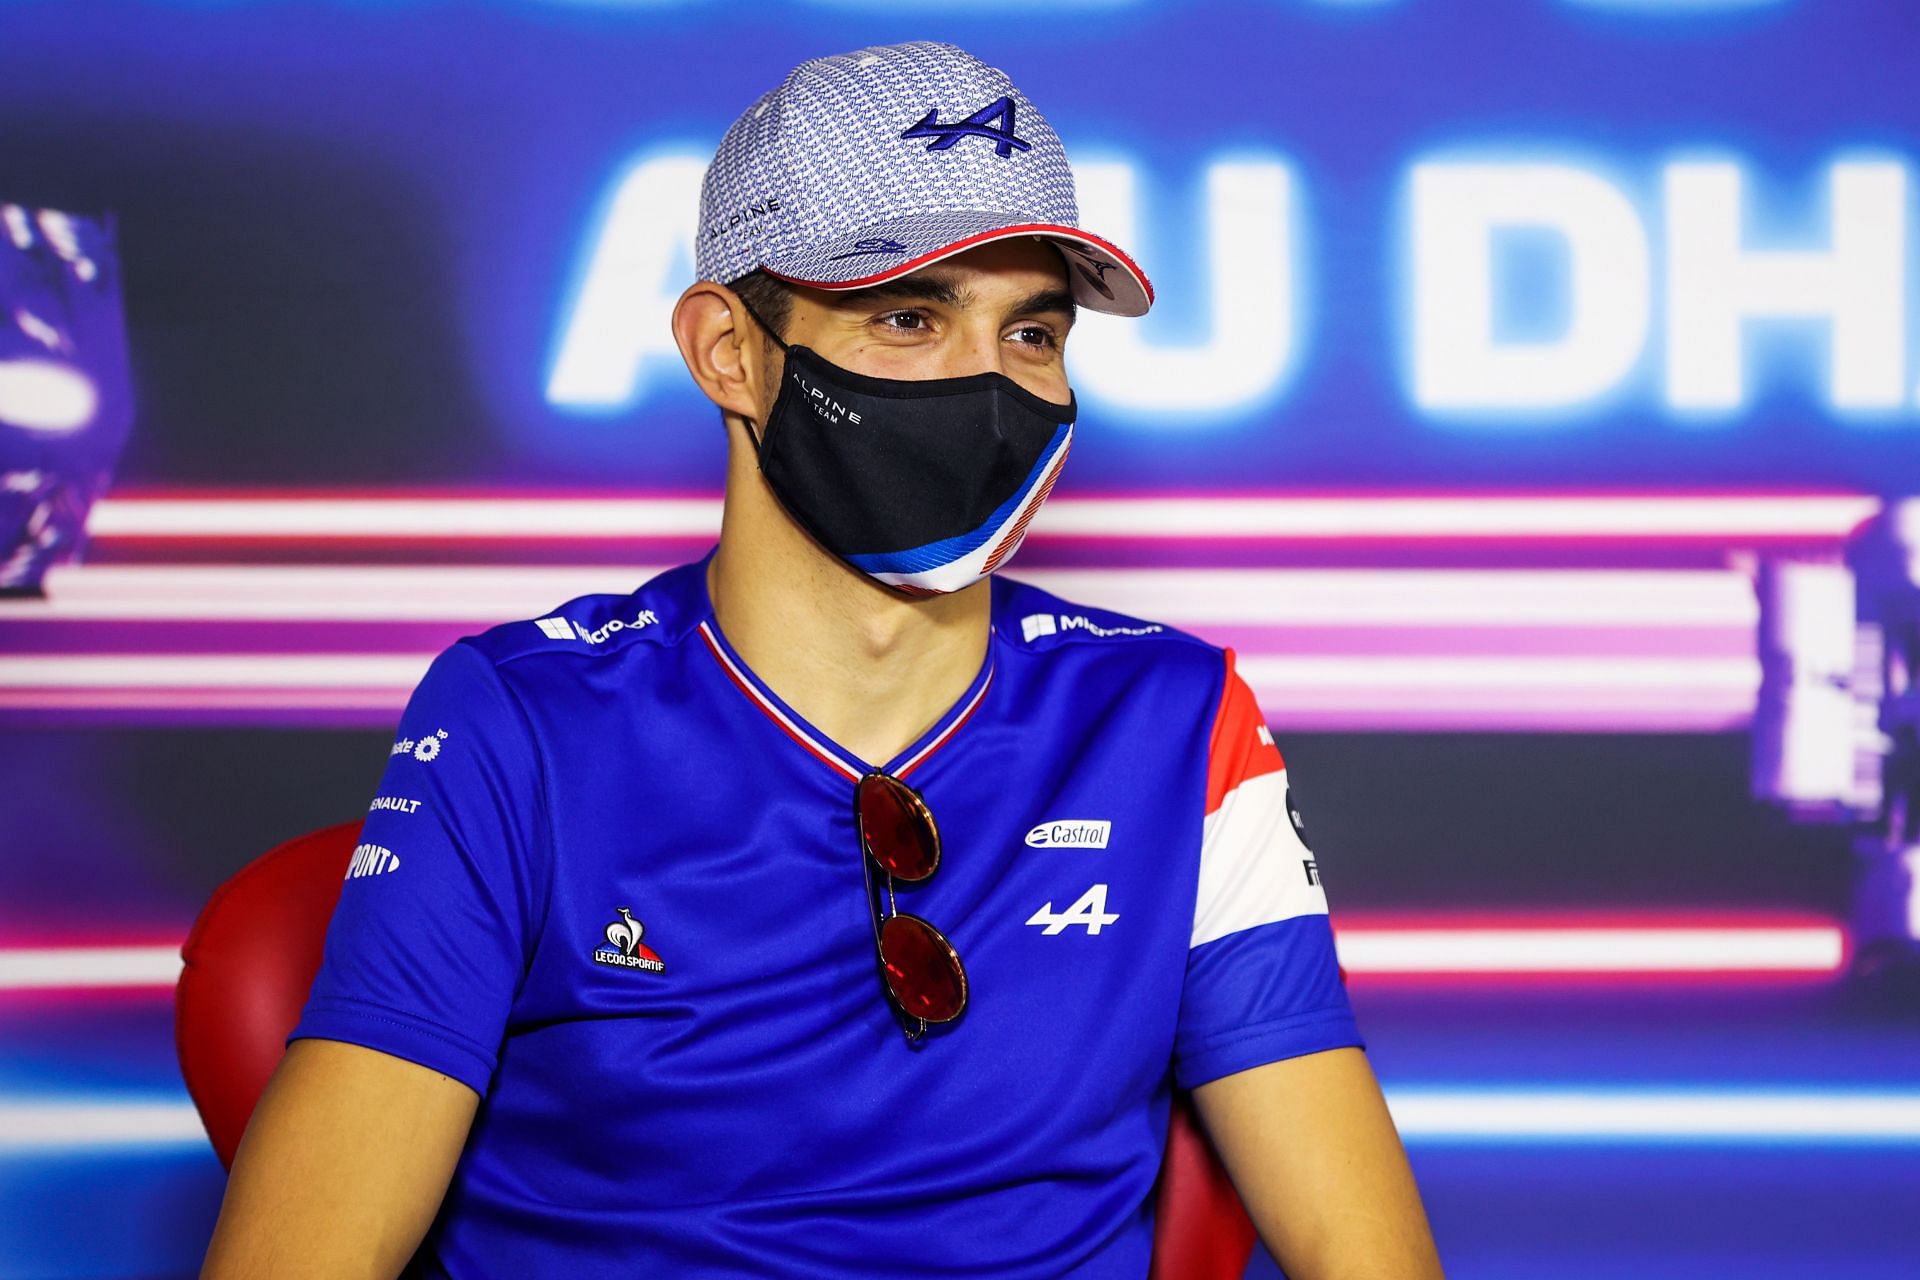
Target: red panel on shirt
(1237, 751)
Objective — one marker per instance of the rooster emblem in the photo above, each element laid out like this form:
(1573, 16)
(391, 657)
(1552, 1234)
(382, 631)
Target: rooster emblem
(624, 947)
(625, 932)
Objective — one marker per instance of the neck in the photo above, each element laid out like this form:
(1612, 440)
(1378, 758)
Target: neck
(868, 667)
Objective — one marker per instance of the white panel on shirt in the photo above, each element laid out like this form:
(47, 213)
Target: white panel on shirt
(1252, 863)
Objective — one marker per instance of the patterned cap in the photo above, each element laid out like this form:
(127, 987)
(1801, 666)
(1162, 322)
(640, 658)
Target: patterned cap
(867, 165)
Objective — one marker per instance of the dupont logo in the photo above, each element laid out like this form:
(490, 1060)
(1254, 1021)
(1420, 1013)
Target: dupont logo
(371, 860)
(1075, 833)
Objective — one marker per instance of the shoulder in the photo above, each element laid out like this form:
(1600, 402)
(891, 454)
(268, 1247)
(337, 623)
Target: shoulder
(1043, 623)
(566, 652)
(592, 628)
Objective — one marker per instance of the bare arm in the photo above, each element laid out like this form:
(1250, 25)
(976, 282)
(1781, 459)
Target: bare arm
(342, 1167)
(1315, 1157)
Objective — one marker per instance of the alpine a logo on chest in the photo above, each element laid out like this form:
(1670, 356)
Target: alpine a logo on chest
(1070, 833)
(623, 948)
(1089, 911)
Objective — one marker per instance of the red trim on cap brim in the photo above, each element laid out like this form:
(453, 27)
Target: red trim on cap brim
(984, 237)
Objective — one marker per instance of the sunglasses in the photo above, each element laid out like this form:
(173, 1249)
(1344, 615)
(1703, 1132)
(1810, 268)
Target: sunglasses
(922, 972)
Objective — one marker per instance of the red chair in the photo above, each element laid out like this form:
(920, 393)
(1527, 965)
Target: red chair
(250, 960)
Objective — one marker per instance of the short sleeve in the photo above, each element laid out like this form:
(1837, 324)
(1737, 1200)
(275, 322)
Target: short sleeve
(428, 945)
(1262, 980)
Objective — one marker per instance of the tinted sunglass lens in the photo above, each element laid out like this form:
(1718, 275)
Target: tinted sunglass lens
(896, 828)
(922, 970)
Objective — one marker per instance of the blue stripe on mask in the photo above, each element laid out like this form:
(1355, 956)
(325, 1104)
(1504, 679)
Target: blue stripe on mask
(933, 555)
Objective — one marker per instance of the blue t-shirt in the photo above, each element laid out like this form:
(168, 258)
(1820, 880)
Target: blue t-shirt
(611, 881)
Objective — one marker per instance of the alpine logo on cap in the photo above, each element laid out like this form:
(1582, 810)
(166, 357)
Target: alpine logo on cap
(870, 245)
(977, 125)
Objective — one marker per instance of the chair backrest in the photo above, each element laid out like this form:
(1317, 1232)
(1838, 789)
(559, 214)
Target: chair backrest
(250, 961)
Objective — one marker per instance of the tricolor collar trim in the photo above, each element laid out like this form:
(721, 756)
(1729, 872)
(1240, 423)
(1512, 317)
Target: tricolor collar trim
(824, 748)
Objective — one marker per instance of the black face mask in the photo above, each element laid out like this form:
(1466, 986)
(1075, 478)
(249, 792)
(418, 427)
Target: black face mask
(926, 486)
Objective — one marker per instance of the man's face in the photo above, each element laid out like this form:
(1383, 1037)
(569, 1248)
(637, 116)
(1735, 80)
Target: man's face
(1002, 307)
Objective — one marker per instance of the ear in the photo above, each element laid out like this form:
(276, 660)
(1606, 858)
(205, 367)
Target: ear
(724, 349)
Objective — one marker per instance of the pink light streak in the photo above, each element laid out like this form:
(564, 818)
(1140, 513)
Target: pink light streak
(1601, 948)
(451, 516)
(1467, 948)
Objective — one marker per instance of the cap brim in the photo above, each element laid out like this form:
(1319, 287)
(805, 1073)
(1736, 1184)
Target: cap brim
(1103, 278)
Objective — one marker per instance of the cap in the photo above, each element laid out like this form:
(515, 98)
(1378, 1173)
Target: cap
(864, 166)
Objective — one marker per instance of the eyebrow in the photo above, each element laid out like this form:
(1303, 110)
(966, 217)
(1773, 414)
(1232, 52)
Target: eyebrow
(934, 289)
(924, 288)
(1046, 300)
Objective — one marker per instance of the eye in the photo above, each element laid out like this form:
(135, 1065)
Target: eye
(914, 321)
(1036, 335)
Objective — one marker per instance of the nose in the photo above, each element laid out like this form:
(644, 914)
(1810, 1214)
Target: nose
(976, 349)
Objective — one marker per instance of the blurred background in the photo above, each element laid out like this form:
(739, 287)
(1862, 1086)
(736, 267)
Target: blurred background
(1531, 400)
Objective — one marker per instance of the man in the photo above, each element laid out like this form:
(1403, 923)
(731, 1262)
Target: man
(827, 907)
